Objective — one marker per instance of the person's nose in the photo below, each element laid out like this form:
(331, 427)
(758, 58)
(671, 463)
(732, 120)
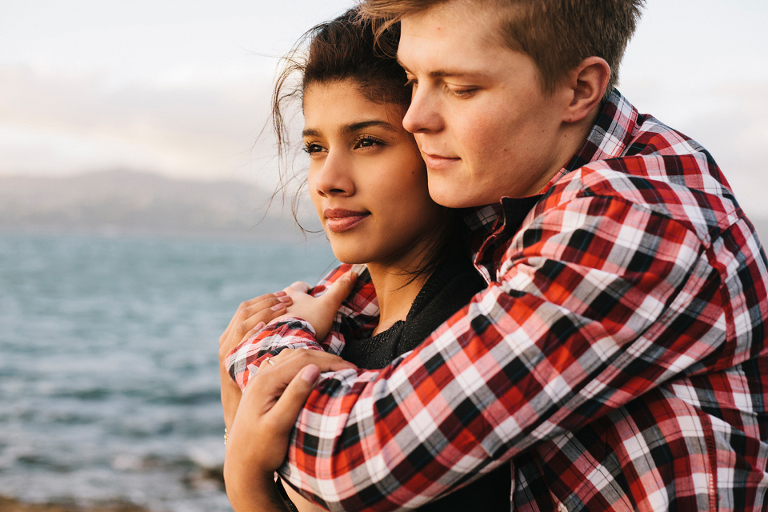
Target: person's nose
(423, 114)
(334, 177)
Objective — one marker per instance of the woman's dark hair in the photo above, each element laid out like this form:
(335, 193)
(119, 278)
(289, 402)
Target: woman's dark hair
(341, 49)
(344, 49)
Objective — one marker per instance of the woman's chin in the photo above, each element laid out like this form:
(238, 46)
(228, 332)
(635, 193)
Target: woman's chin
(351, 260)
(351, 255)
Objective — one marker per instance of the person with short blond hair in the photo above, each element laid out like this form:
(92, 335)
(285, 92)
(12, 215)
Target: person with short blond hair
(543, 30)
(617, 359)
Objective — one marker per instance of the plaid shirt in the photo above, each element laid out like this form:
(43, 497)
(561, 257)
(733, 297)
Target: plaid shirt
(617, 357)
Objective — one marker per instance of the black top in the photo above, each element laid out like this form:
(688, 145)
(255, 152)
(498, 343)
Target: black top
(450, 287)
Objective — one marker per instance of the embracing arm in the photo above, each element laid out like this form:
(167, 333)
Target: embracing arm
(585, 317)
(356, 316)
(269, 406)
(249, 318)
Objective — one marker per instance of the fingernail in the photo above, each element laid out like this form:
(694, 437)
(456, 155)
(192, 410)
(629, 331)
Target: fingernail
(259, 326)
(310, 374)
(278, 307)
(285, 299)
(280, 293)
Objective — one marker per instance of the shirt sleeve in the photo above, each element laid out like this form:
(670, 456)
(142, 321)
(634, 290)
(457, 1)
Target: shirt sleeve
(597, 301)
(355, 319)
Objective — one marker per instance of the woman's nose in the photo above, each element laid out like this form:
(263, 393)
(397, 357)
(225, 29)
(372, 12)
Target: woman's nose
(334, 176)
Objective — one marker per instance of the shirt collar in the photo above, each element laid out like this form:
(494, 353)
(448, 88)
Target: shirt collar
(481, 220)
(610, 135)
(609, 138)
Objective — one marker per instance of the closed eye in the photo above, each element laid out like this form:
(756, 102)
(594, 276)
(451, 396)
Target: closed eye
(462, 92)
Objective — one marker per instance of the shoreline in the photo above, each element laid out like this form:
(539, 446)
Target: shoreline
(8, 504)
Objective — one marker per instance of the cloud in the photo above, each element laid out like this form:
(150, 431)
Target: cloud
(729, 118)
(55, 123)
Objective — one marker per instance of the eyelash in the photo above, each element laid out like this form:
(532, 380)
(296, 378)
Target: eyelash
(460, 93)
(367, 138)
(313, 147)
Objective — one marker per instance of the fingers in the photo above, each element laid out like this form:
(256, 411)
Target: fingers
(340, 289)
(274, 397)
(253, 313)
(250, 307)
(300, 286)
(289, 405)
(290, 361)
(256, 328)
(275, 302)
(264, 311)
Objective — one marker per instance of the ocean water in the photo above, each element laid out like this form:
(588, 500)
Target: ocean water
(108, 362)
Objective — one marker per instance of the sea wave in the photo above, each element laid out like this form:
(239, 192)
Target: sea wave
(108, 364)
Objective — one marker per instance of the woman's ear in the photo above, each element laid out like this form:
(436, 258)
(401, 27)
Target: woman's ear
(586, 84)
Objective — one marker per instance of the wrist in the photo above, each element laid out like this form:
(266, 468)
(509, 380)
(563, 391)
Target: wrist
(252, 491)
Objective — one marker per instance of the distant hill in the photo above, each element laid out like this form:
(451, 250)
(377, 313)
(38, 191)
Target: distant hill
(135, 202)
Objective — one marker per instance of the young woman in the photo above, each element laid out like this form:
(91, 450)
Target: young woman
(368, 184)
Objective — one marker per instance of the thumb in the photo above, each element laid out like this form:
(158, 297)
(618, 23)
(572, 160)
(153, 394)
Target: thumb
(339, 290)
(288, 407)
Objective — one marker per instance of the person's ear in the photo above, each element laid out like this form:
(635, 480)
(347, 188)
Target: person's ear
(586, 86)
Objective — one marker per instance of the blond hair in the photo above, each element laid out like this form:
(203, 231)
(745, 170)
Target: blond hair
(557, 34)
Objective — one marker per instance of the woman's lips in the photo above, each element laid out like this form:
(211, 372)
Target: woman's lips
(339, 220)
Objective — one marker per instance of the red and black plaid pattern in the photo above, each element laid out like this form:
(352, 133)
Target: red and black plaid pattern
(617, 358)
(356, 318)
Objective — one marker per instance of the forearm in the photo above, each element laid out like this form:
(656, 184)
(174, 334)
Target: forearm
(230, 398)
(375, 431)
(524, 362)
(356, 317)
(255, 494)
(246, 358)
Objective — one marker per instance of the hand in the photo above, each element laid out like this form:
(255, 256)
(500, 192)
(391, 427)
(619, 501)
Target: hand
(258, 438)
(249, 318)
(320, 311)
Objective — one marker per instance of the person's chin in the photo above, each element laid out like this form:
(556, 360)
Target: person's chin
(446, 192)
(349, 250)
(350, 257)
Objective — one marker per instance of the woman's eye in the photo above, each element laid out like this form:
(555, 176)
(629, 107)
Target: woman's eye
(312, 148)
(367, 142)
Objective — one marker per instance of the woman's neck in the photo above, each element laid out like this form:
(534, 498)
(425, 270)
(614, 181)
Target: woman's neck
(396, 290)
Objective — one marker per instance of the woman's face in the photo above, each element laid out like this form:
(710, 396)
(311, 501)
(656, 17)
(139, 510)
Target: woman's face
(366, 177)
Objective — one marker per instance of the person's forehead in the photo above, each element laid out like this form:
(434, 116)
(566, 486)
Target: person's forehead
(483, 19)
(341, 106)
(472, 25)
(444, 42)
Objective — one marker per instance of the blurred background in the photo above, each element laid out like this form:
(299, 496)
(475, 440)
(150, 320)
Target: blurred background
(132, 220)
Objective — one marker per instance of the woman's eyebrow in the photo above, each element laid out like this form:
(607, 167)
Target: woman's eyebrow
(361, 125)
(353, 127)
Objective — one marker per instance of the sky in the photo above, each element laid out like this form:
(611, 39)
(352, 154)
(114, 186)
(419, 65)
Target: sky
(182, 88)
